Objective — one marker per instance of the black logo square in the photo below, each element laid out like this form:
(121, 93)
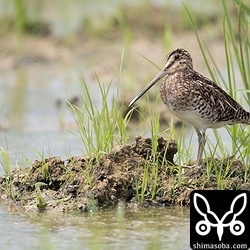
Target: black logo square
(219, 219)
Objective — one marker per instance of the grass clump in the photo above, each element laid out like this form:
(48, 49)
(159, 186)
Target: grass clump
(40, 204)
(102, 126)
(6, 162)
(8, 184)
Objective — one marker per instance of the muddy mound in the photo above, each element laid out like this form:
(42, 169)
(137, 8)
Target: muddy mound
(130, 174)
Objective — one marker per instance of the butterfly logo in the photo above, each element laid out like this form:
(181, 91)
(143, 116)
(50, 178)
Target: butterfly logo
(210, 219)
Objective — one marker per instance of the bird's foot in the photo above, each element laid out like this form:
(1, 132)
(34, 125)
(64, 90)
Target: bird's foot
(195, 166)
(189, 167)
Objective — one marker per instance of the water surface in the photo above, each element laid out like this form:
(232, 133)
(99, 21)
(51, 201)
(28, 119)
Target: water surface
(155, 228)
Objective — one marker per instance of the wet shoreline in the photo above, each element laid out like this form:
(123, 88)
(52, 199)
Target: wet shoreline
(129, 175)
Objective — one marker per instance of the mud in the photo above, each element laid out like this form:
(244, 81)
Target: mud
(84, 184)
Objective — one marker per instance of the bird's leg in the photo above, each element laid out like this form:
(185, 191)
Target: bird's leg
(201, 141)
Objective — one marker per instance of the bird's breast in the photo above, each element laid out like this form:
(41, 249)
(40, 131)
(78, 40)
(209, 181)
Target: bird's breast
(175, 94)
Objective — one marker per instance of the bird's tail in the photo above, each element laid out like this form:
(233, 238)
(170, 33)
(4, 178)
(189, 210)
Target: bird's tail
(242, 116)
(248, 118)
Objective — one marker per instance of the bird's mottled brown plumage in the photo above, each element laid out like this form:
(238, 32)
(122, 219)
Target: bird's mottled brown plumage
(194, 98)
(187, 92)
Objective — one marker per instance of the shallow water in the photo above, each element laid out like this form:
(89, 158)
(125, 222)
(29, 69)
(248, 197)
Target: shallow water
(35, 118)
(29, 115)
(156, 228)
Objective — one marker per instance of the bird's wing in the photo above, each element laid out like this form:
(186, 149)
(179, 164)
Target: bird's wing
(218, 99)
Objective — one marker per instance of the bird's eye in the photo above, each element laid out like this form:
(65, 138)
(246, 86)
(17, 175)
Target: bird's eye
(177, 57)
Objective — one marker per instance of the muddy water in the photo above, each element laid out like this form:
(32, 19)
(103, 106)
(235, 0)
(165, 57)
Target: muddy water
(159, 228)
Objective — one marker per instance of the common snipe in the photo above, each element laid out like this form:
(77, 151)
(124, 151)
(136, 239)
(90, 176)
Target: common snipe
(194, 98)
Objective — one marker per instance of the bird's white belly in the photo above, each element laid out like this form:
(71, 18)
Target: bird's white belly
(195, 119)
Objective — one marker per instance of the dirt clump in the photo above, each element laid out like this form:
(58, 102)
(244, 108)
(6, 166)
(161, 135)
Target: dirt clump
(130, 174)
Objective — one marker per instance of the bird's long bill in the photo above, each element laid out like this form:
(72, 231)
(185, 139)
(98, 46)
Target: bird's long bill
(149, 86)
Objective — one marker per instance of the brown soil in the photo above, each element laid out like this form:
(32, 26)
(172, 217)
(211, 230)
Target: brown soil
(116, 178)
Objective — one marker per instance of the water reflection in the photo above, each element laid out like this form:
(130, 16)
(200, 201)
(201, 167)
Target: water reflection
(157, 228)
